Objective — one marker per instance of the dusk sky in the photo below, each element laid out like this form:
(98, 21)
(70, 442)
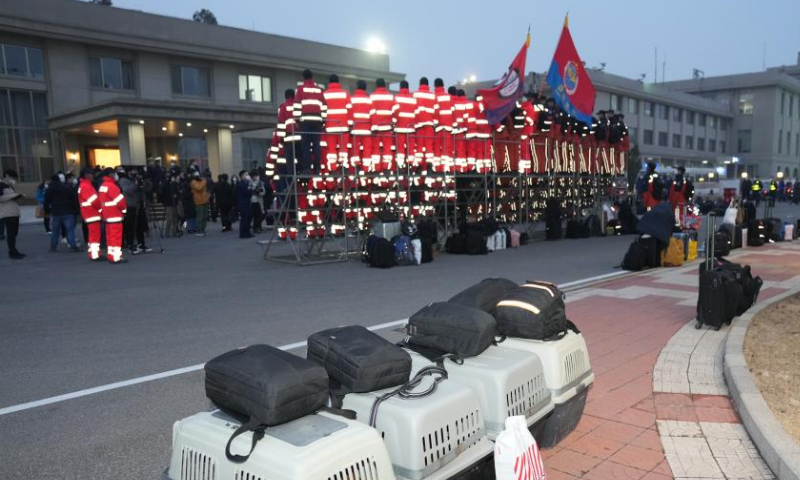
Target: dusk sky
(456, 39)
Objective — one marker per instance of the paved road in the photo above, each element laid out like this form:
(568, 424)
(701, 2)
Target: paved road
(68, 325)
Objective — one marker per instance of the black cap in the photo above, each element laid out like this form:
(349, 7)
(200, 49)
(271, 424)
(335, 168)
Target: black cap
(438, 82)
(403, 84)
(462, 93)
(452, 91)
(307, 75)
(423, 81)
(380, 83)
(289, 93)
(86, 171)
(361, 85)
(333, 78)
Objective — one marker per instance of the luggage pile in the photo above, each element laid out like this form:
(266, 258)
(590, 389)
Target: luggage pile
(360, 407)
(726, 289)
(396, 244)
(484, 237)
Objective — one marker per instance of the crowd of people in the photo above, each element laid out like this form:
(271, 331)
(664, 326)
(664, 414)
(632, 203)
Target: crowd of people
(776, 190)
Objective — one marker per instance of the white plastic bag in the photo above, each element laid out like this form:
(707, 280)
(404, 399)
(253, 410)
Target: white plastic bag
(416, 244)
(516, 455)
(730, 214)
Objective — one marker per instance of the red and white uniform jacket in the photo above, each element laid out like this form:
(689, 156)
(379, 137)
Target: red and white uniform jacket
(443, 110)
(405, 112)
(362, 113)
(531, 117)
(482, 127)
(382, 107)
(338, 115)
(112, 201)
(460, 115)
(308, 102)
(426, 104)
(90, 202)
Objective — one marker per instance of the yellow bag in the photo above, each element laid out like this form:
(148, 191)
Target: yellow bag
(691, 256)
(673, 255)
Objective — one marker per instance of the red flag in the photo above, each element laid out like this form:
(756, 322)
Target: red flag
(572, 88)
(502, 98)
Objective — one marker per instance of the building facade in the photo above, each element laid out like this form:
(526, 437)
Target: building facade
(84, 85)
(765, 130)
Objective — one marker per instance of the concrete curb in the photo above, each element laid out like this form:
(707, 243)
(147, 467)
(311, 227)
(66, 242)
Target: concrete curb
(777, 448)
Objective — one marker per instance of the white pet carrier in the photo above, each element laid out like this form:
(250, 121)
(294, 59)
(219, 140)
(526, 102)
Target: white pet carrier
(314, 447)
(507, 382)
(432, 437)
(566, 363)
(568, 375)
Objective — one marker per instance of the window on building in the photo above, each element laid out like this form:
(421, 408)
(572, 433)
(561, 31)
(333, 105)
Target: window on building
(701, 144)
(712, 145)
(723, 124)
(662, 112)
(254, 151)
(783, 101)
(712, 121)
(111, 73)
(780, 141)
(615, 102)
(689, 117)
(21, 61)
(632, 133)
(689, 143)
(677, 114)
(648, 109)
(190, 81)
(788, 143)
(722, 146)
(633, 105)
(255, 88)
(746, 103)
(648, 137)
(662, 139)
(701, 119)
(743, 141)
(676, 140)
(24, 138)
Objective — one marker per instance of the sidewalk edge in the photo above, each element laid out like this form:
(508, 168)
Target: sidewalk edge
(777, 448)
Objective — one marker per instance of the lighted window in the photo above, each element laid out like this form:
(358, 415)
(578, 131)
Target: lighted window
(746, 103)
(255, 88)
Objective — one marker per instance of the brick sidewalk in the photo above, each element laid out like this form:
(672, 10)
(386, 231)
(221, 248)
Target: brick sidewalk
(627, 323)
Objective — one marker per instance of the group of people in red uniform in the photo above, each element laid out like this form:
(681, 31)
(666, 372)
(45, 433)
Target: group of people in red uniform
(323, 132)
(103, 204)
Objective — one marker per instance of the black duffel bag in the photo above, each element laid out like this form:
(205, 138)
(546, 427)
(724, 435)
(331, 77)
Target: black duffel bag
(534, 310)
(358, 360)
(451, 328)
(485, 294)
(266, 386)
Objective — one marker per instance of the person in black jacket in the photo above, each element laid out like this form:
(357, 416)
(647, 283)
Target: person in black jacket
(61, 203)
(223, 196)
(171, 197)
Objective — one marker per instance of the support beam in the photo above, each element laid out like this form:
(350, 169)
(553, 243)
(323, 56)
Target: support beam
(219, 142)
(131, 143)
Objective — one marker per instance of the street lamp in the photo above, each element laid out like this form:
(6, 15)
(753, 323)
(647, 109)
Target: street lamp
(744, 175)
(780, 174)
(473, 78)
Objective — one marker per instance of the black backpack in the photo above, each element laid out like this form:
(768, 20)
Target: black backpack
(658, 188)
(456, 244)
(265, 386)
(534, 310)
(449, 328)
(484, 295)
(380, 253)
(634, 259)
(476, 242)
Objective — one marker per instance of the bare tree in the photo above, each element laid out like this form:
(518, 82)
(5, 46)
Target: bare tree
(204, 15)
(102, 2)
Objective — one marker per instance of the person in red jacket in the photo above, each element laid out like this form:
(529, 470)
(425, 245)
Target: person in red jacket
(426, 101)
(443, 120)
(308, 107)
(338, 120)
(114, 207)
(383, 147)
(531, 117)
(405, 115)
(361, 131)
(283, 157)
(461, 108)
(90, 212)
(478, 137)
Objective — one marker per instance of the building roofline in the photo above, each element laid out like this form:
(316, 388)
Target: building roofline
(769, 78)
(87, 23)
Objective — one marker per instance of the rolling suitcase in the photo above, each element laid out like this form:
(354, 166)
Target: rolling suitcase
(719, 290)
